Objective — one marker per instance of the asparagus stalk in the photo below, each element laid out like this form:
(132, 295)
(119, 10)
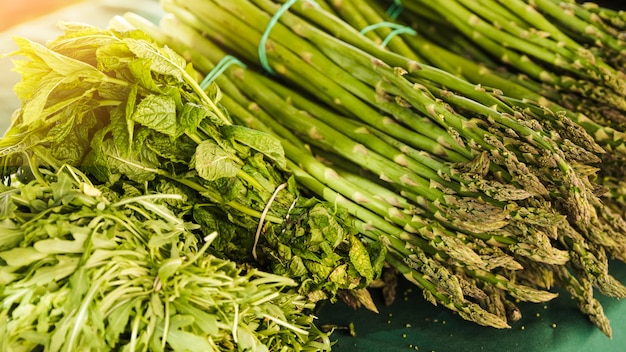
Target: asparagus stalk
(359, 196)
(477, 137)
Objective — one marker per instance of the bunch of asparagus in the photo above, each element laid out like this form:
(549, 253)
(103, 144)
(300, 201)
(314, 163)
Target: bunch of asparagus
(569, 57)
(481, 200)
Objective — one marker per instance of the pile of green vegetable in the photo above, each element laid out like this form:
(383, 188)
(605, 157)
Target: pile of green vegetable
(131, 117)
(85, 268)
(483, 198)
(150, 207)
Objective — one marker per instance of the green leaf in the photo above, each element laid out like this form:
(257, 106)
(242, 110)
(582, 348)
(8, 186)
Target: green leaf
(179, 150)
(245, 339)
(190, 118)
(55, 245)
(162, 60)
(140, 69)
(137, 167)
(6, 203)
(359, 257)
(11, 234)
(63, 65)
(18, 257)
(168, 268)
(212, 162)
(121, 128)
(33, 108)
(70, 151)
(259, 141)
(118, 322)
(113, 56)
(183, 341)
(206, 322)
(378, 254)
(157, 112)
(32, 73)
(46, 274)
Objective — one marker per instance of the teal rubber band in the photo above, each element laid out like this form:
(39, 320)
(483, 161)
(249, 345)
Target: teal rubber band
(395, 9)
(221, 66)
(268, 29)
(397, 29)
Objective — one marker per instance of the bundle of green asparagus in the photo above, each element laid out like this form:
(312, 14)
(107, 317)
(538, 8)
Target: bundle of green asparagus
(567, 56)
(480, 201)
(131, 115)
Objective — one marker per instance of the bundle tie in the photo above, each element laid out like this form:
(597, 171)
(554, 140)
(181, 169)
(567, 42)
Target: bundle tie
(397, 29)
(395, 9)
(273, 21)
(262, 219)
(221, 66)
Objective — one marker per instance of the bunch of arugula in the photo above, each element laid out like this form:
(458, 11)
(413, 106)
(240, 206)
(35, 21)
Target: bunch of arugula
(87, 269)
(130, 113)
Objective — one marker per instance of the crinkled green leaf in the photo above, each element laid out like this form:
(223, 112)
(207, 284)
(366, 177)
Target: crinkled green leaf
(259, 141)
(113, 56)
(163, 60)
(70, 150)
(359, 257)
(122, 130)
(179, 150)
(190, 118)
(157, 112)
(137, 167)
(61, 64)
(212, 162)
(140, 69)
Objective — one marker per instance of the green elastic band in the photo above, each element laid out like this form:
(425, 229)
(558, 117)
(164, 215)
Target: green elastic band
(221, 66)
(395, 9)
(268, 29)
(397, 29)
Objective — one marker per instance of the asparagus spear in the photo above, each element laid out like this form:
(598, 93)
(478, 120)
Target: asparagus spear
(366, 74)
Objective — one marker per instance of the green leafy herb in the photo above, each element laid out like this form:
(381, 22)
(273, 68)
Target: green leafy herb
(87, 272)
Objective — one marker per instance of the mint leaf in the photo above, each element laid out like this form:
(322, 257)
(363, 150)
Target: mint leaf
(257, 140)
(63, 65)
(113, 56)
(212, 162)
(157, 112)
(164, 61)
(140, 69)
(190, 118)
(359, 257)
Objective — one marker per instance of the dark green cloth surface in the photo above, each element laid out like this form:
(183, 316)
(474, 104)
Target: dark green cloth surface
(411, 323)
